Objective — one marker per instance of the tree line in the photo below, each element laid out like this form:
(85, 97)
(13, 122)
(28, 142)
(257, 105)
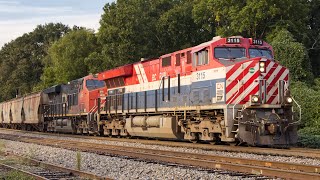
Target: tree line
(132, 29)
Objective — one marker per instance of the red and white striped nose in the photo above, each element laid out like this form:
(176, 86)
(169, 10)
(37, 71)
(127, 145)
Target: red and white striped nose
(274, 77)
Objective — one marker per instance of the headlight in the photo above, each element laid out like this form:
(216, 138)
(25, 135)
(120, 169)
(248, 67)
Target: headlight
(289, 100)
(254, 99)
(262, 66)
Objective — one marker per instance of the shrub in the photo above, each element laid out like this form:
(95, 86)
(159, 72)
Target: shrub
(309, 137)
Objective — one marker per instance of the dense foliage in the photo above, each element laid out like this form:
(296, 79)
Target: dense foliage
(66, 59)
(293, 55)
(134, 29)
(22, 60)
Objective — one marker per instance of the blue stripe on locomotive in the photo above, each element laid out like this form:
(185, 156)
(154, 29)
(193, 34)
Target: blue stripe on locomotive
(198, 93)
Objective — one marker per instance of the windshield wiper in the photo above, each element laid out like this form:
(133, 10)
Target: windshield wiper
(239, 58)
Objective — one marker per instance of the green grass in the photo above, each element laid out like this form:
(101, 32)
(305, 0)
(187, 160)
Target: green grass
(2, 146)
(78, 160)
(15, 175)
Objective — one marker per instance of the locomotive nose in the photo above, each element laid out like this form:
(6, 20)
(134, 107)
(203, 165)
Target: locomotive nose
(273, 81)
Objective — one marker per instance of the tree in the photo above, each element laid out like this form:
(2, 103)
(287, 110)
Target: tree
(128, 30)
(308, 97)
(177, 28)
(256, 18)
(134, 29)
(21, 60)
(293, 55)
(313, 40)
(96, 63)
(66, 58)
(203, 16)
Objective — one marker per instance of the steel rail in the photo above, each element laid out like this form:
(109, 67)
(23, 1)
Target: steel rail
(296, 152)
(242, 161)
(64, 169)
(35, 176)
(260, 167)
(52, 167)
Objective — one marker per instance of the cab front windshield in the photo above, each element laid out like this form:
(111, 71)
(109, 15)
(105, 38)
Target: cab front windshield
(94, 84)
(229, 53)
(254, 52)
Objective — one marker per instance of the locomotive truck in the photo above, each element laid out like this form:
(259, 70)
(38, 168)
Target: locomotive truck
(226, 90)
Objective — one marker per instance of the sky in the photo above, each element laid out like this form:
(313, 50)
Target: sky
(21, 16)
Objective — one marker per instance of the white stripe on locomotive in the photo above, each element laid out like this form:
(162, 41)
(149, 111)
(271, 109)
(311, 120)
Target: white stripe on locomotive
(136, 68)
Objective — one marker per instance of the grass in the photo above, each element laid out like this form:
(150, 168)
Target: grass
(78, 160)
(2, 146)
(15, 175)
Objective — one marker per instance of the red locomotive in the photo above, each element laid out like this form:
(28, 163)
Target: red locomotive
(225, 90)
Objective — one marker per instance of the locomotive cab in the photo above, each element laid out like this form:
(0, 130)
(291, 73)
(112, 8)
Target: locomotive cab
(78, 99)
(259, 105)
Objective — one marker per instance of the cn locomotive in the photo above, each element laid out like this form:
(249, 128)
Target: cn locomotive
(227, 90)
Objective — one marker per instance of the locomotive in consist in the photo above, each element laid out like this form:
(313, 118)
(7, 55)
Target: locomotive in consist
(225, 90)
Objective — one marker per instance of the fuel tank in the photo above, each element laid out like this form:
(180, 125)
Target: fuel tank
(154, 126)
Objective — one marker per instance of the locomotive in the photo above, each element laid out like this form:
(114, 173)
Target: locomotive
(227, 90)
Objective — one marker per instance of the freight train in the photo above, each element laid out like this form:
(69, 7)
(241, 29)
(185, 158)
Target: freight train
(228, 90)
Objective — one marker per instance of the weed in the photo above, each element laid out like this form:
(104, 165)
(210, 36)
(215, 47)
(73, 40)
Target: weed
(13, 175)
(78, 157)
(2, 146)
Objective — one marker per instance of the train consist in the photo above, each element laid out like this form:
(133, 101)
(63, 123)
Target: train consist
(225, 90)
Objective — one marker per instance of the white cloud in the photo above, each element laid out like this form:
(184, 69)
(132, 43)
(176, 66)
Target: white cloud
(17, 7)
(9, 2)
(12, 29)
(17, 18)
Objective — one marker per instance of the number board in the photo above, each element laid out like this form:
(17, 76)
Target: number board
(257, 41)
(233, 41)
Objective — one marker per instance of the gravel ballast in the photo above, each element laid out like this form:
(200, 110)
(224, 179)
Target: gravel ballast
(106, 166)
(278, 158)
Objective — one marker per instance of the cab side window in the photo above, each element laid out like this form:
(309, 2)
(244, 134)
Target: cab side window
(201, 58)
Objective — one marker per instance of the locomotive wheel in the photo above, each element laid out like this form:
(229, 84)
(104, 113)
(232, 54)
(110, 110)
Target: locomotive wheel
(213, 142)
(216, 140)
(196, 140)
(234, 143)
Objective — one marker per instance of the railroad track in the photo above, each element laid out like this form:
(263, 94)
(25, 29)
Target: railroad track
(292, 152)
(41, 175)
(47, 171)
(249, 166)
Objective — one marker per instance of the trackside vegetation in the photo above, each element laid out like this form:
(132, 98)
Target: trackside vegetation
(134, 29)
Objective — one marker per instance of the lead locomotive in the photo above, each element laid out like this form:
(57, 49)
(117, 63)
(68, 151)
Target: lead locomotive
(225, 90)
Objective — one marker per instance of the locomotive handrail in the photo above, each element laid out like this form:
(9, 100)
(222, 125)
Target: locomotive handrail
(241, 98)
(235, 94)
(161, 82)
(300, 112)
